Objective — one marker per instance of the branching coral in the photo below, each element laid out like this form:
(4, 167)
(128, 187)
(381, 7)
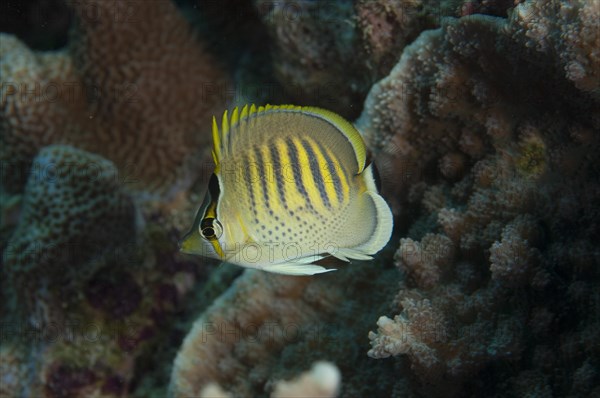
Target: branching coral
(425, 261)
(498, 168)
(513, 259)
(411, 334)
(567, 31)
(135, 87)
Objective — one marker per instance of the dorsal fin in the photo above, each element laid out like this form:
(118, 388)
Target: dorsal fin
(347, 129)
(222, 137)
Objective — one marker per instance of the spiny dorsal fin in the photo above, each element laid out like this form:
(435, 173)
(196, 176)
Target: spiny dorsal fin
(221, 138)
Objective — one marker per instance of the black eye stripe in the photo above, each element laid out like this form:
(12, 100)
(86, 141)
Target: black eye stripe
(213, 187)
(207, 229)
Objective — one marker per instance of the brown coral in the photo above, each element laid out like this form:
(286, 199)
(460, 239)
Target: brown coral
(411, 333)
(136, 87)
(260, 314)
(386, 27)
(503, 172)
(40, 102)
(514, 258)
(425, 261)
(576, 46)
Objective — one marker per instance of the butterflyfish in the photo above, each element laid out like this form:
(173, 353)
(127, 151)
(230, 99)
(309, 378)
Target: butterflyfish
(291, 186)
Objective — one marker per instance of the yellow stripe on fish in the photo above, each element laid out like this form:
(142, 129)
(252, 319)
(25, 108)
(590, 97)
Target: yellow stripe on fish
(311, 184)
(291, 186)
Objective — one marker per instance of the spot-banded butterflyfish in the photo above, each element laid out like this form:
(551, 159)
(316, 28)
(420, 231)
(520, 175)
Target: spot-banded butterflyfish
(291, 186)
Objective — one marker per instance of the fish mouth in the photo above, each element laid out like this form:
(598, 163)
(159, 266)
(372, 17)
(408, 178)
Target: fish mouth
(193, 243)
(189, 244)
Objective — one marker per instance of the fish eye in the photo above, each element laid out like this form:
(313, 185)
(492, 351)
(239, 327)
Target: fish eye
(208, 232)
(211, 229)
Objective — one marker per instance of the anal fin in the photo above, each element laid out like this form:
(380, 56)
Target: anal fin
(296, 269)
(346, 254)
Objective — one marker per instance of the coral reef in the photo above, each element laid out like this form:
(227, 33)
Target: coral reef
(482, 116)
(493, 167)
(99, 141)
(134, 86)
(330, 53)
